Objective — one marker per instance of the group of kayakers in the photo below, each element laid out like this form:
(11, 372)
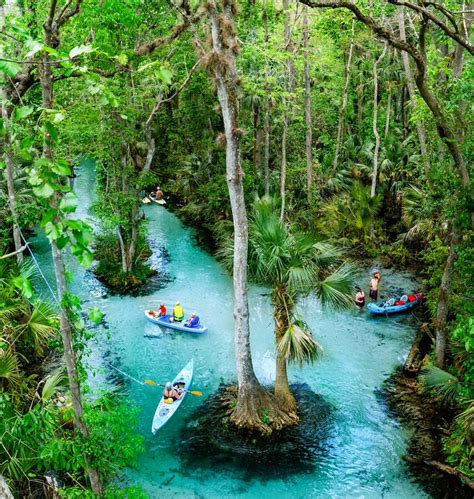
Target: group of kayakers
(178, 315)
(374, 285)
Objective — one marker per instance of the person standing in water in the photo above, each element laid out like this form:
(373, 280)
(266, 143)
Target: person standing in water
(359, 297)
(374, 285)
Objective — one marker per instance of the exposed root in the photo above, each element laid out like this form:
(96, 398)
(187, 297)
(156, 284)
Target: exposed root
(262, 412)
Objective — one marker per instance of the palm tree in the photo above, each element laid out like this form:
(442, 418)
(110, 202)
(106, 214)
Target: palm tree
(294, 264)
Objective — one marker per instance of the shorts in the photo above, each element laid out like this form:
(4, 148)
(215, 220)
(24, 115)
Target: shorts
(373, 293)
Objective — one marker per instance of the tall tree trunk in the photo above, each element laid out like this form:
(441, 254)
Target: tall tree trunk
(267, 146)
(282, 387)
(389, 111)
(46, 80)
(267, 108)
(345, 96)
(8, 155)
(290, 67)
(443, 302)
(375, 172)
(420, 127)
(253, 399)
(308, 118)
(257, 138)
(10, 176)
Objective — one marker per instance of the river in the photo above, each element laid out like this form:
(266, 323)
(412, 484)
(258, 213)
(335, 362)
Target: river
(363, 455)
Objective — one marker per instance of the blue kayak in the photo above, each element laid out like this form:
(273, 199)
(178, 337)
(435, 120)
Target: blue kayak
(167, 321)
(386, 308)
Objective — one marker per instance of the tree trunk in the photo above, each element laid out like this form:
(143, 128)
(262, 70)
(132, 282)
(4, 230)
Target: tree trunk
(308, 118)
(267, 146)
(257, 138)
(46, 80)
(282, 387)
(267, 108)
(5, 492)
(132, 247)
(8, 156)
(284, 140)
(420, 127)
(123, 252)
(252, 399)
(10, 177)
(287, 105)
(443, 302)
(345, 95)
(389, 111)
(465, 28)
(375, 172)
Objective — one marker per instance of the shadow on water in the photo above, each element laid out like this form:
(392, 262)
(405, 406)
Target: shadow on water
(214, 445)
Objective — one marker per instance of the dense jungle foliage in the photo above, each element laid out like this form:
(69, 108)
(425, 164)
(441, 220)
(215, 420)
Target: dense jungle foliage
(363, 145)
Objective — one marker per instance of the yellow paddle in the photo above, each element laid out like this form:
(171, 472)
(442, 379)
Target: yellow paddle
(192, 392)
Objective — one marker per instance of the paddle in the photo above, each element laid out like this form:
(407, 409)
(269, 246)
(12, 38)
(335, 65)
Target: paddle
(192, 392)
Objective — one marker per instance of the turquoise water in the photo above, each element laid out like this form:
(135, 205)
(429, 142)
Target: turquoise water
(363, 455)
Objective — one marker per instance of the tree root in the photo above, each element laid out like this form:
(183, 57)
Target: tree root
(262, 412)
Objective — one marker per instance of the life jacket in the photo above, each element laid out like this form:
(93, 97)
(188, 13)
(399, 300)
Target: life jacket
(411, 298)
(178, 312)
(163, 311)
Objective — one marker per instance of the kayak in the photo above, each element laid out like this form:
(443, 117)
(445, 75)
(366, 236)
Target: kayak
(384, 308)
(166, 321)
(146, 200)
(165, 411)
(157, 201)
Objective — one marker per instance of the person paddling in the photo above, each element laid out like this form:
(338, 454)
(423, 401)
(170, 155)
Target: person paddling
(170, 392)
(193, 321)
(178, 312)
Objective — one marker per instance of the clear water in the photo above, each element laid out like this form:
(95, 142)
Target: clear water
(363, 458)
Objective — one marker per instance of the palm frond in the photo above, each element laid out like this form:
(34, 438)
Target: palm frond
(41, 327)
(336, 290)
(51, 385)
(440, 383)
(297, 345)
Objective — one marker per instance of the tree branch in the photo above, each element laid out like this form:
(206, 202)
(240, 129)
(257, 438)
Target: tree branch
(13, 253)
(148, 48)
(370, 22)
(452, 34)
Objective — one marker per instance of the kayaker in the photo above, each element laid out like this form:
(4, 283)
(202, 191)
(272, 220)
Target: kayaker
(374, 285)
(159, 193)
(171, 393)
(359, 297)
(162, 310)
(178, 312)
(193, 321)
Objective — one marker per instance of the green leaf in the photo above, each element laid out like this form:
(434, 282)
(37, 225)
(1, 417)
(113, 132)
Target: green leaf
(96, 315)
(62, 241)
(122, 59)
(61, 167)
(164, 75)
(34, 47)
(52, 231)
(23, 112)
(58, 117)
(81, 49)
(9, 68)
(86, 259)
(51, 130)
(68, 203)
(44, 191)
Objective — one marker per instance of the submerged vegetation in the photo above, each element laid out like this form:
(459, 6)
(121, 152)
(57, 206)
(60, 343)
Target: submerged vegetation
(348, 122)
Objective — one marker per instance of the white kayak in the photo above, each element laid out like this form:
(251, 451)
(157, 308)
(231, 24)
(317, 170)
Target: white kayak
(165, 411)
